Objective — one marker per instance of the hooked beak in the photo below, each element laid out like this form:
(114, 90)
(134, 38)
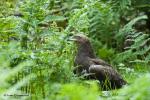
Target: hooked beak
(72, 38)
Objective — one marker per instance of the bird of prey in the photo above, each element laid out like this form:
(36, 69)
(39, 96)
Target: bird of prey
(87, 62)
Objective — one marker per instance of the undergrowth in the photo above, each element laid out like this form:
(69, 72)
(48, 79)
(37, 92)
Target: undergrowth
(36, 58)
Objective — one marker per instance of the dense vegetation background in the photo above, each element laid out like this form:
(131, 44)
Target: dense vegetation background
(36, 58)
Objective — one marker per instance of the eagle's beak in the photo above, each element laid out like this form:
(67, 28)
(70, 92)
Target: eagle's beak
(72, 38)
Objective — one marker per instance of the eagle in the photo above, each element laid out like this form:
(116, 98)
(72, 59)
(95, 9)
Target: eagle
(87, 62)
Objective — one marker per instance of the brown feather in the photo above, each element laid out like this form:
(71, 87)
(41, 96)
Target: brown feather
(86, 61)
(103, 73)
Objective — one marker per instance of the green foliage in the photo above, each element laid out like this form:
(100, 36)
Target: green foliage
(7, 7)
(128, 28)
(138, 51)
(137, 91)
(76, 92)
(121, 5)
(93, 19)
(106, 53)
(36, 58)
(102, 25)
(45, 46)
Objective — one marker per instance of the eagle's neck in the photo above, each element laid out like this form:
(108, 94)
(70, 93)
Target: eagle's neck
(85, 49)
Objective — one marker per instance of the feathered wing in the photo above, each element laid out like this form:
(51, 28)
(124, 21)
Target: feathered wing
(103, 70)
(103, 73)
(96, 61)
(87, 63)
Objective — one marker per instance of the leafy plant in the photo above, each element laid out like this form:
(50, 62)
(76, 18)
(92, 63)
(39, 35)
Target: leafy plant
(138, 50)
(36, 58)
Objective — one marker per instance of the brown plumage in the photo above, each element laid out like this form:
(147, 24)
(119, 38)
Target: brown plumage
(87, 62)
